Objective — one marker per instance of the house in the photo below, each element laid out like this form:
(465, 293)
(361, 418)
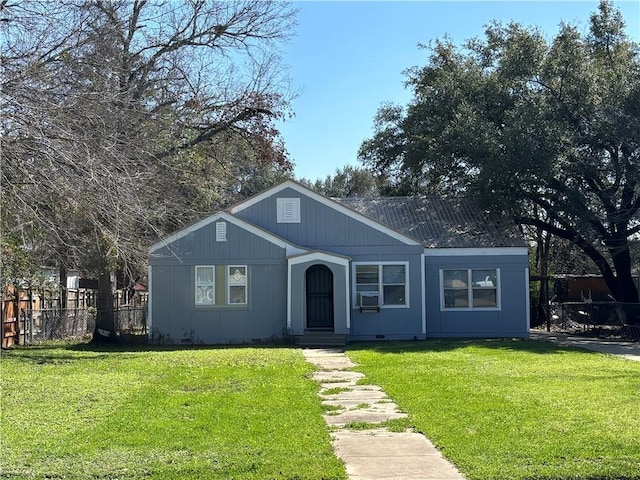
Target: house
(290, 261)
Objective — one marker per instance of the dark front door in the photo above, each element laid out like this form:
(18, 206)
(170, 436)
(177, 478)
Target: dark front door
(319, 298)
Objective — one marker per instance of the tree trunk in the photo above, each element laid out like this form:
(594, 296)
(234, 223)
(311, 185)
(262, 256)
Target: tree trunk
(624, 290)
(105, 330)
(62, 276)
(544, 245)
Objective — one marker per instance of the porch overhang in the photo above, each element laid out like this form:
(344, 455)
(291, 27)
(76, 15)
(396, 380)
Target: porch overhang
(294, 279)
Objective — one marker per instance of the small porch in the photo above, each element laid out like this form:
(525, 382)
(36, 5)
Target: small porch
(318, 308)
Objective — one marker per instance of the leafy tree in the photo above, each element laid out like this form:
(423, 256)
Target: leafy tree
(347, 181)
(548, 131)
(110, 110)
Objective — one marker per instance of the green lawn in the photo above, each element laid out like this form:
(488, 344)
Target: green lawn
(497, 409)
(234, 413)
(515, 409)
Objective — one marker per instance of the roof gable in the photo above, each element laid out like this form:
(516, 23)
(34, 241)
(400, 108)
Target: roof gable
(328, 202)
(290, 247)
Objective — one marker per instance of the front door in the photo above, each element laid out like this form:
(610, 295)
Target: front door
(319, 279)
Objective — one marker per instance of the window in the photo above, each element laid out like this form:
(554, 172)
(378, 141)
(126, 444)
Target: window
(237, 285)
(467, 288)
(367, 286)
(205, 285)
(288, 210)
(381, 285)
(221, 286)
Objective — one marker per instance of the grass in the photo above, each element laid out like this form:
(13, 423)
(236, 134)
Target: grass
(396, 425)
(498, 409)
(334, 390)
(234, 413)
(515, 409)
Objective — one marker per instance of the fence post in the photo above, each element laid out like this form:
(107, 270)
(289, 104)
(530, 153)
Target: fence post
(30, 314)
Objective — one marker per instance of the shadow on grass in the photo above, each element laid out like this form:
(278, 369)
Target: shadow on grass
(54, 352)
(445, 345)
(57, 353)
(125, 348)
(49, 353)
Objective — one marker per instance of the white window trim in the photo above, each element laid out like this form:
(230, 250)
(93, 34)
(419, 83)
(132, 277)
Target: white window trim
(294, 204)
(246, 284)
(196, 284)
(354, 296)
(470, 292)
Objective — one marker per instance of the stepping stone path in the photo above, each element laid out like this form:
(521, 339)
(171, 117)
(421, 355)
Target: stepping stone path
(373, 453)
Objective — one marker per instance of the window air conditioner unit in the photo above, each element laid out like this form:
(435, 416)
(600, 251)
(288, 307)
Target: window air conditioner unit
(369, 299)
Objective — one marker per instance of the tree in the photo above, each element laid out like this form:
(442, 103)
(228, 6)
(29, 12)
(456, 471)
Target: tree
(109, 109)
(546, 131)
(347, 181)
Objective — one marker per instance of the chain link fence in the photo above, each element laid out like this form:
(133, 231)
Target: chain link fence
(37, 325)
(131, 320)
(600, 318)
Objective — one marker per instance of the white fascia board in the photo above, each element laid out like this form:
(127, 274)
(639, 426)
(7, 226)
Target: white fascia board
(314, 256)
(474, 252)
(280, 242)
(184, 232)
(329, 203)
(261, 196)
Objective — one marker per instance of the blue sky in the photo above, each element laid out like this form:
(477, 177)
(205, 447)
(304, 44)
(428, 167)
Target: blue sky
(347, 58)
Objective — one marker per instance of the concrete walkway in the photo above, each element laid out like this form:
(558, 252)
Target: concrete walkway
(626, 349)
(373, 453)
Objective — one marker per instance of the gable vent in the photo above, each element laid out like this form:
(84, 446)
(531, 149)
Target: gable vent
(288, 210)
(221, 231)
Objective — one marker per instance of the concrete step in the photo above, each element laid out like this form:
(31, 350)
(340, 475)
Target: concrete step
(321, 339)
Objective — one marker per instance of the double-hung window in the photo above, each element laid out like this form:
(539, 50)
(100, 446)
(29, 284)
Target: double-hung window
(470, 288)
(237, 285)
(205, 285)
(381, 284)
(221, 285)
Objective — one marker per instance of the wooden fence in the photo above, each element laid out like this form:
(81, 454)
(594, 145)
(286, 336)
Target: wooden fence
(38, 325)
(29, 317)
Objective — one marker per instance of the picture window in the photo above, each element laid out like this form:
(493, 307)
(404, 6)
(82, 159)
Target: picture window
(470, 288)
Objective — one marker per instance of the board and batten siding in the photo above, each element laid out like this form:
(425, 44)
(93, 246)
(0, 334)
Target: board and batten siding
(391, 323)
(321, 226)
(510, 320)
(176, 318)
(201, 246)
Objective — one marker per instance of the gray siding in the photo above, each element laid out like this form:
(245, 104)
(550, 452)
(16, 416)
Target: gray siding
(176, 318)
(327, 229)
(201, 246)
(509, 321)
(320, 226)
(392, 323)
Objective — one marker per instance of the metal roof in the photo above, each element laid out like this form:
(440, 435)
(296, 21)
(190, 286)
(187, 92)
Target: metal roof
(438, 222)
